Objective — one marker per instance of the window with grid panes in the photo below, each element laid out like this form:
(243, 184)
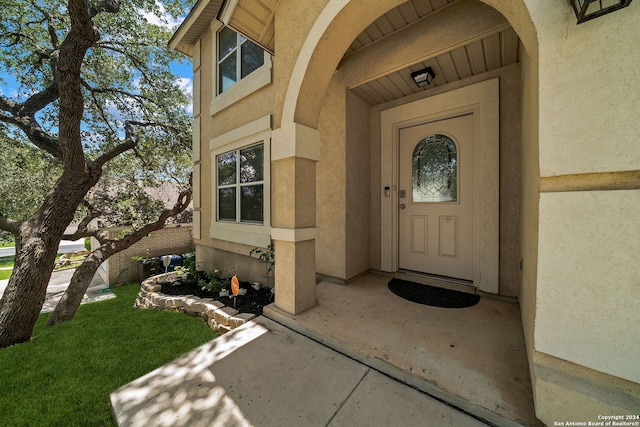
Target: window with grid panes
(237, 58)
(240, 185)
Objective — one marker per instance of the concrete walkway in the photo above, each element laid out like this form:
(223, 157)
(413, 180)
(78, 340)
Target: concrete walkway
(59, 282)
(264, 374)
(474, 358)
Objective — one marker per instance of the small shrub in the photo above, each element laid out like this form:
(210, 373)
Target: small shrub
(268, 257)
(189, 262)
(216, 281)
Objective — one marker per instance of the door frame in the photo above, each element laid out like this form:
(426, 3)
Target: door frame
(482, 100)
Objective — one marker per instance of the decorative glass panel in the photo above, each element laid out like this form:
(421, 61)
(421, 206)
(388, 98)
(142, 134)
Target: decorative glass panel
(435, 170)
(227, 204)
(252, 164)
(227, 168)
(251, 203)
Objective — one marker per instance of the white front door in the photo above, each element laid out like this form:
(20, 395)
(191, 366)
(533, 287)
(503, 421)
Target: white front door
(435, 203)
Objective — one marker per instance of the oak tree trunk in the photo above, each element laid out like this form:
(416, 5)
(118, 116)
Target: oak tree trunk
(36, 249)
(80, 281)
(40, 235)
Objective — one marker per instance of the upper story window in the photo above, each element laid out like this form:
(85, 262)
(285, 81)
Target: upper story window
(237, 58)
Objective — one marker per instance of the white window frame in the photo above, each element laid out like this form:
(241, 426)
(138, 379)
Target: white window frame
(259, 78)
(237, 185)
(248, 135)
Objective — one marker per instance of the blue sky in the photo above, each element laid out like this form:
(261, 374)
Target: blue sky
(184, 70)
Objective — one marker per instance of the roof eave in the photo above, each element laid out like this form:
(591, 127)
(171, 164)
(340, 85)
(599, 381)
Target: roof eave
(196, 22)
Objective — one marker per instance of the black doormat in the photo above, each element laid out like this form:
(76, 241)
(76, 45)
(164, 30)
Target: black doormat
(430, 295)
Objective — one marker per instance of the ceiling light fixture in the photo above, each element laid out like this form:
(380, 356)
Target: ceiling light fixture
(590, 9)
(424, 77)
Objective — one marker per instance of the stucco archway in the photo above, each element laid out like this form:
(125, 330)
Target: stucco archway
(340, 22)
(336, 28)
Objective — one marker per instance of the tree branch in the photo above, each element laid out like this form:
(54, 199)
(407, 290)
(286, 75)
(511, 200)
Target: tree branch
(139, 98)
(51, 28)
(130, 142)
(111, 6)
(99, 106)
(8, 105)
(140, 66)
(34, 132)
(83, 227)
(38, 101)
(182, 203)
(10, 225)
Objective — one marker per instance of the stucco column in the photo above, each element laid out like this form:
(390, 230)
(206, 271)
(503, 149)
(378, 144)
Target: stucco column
(295, 149)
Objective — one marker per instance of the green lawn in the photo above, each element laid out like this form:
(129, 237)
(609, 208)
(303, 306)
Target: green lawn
(4, 244)
(65, 374)
(6, 261)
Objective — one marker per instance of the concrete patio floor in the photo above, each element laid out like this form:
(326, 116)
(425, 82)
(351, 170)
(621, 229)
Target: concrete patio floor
(264, 374)
(473, 358)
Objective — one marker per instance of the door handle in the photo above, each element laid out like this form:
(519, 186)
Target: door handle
(402, 206)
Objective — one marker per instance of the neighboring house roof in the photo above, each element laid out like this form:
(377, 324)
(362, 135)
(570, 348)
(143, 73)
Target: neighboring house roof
(167, 193)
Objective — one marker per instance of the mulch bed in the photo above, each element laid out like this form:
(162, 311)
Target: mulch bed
(252, 302)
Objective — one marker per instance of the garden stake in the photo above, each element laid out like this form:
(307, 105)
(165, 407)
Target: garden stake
(235, 288)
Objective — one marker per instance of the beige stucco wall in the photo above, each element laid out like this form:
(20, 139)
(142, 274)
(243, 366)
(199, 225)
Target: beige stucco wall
(229, 262)
(331, 188)
(577, 94)
(358, 190)
(590, 313)
(587, 241)
(587, 250)
(342, 186)
(294, 21)
(589, 91)
(213, 252)
(529, 202)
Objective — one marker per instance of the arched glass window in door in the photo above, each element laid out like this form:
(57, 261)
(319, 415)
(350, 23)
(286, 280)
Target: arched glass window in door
(435, 170)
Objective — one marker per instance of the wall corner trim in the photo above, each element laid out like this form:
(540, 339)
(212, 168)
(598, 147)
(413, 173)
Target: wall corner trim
(294, 234)
(295, 140)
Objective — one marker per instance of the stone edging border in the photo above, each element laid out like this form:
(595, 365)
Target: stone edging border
(217, 316)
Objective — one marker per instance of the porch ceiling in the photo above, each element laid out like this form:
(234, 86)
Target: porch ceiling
(487, 53)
